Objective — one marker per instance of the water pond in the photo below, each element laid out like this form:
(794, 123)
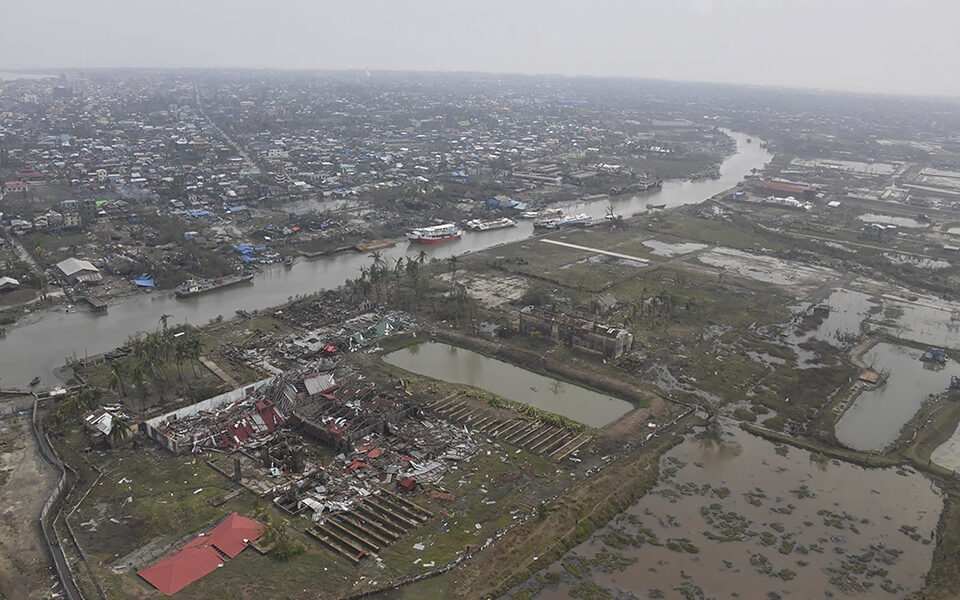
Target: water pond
(458, 365)
(890, 220)
(876, 417)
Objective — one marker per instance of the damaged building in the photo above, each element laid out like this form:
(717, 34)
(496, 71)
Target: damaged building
(275, 437)
(581, 334)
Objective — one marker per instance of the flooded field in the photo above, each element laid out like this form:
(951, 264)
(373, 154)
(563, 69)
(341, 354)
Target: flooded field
(848, 309)
(927, 320)
(665, 249)
(889, 220)
(923, 263)
(766, 268)
(745, 518)
(947, 454)
(457, 365)
(877, 415)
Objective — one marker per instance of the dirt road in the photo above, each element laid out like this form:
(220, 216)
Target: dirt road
(25, 483)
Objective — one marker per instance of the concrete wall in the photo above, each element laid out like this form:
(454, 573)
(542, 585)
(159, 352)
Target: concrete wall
(153, 425)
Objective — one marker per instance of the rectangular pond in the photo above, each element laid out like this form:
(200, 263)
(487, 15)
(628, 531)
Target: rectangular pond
(458, 365)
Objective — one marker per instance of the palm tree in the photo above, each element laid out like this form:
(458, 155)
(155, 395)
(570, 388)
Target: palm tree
(116, 377)
(453, 269)
(397, 270)
(87, 398)
(163, 320)
(119, 427)
(378, 262)
(421, 256)
(180, 353)
(138, 374)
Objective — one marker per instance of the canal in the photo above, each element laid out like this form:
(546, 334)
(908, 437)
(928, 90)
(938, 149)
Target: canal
(458, 365)
(41, 346)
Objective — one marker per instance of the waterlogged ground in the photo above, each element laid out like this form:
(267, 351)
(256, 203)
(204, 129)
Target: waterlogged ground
(744, 518)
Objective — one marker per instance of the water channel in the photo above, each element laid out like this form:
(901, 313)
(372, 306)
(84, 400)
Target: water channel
(41, 346)
(458, 365)
(745, 518)
(876, 417)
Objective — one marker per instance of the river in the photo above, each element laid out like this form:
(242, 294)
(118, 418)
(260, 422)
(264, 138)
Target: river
(40, 347)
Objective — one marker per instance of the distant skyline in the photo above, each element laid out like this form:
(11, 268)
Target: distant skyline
(878, 46)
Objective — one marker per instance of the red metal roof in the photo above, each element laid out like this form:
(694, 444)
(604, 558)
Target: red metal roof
(233, 534)
(183, 568)
(203, 555)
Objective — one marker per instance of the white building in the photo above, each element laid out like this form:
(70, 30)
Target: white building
(77, 270)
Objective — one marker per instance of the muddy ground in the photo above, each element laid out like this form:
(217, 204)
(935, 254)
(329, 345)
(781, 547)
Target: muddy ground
(25, 483)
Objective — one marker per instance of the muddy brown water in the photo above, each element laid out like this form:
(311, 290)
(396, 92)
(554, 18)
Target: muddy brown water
(876, 417)
(745, 518)
(458, 365)
(848, 309)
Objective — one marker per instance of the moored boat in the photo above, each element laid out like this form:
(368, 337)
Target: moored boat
(375, 245)
(548, 219)
(659, 206)
(486, 225)
(34, 381)
(193, 287)
(574, 221)
(435, 234)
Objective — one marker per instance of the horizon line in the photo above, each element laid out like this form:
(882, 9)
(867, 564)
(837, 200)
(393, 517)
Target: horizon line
(766, 86)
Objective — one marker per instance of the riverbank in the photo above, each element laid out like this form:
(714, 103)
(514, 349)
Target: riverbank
(86, 334)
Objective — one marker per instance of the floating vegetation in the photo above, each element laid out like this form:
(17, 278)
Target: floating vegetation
(765, 521)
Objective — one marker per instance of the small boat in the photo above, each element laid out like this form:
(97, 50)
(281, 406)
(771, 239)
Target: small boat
(657, 206)
(435, 234)
(529, 214)
(34, 381)
(482, 225)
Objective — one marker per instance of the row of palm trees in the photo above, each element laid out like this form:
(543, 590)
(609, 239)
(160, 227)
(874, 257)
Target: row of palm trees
(383, 281)
(151, 356)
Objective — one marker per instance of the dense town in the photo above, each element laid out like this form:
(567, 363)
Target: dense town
(410, 335)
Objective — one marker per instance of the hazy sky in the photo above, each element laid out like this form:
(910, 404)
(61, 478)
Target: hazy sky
(900, 46)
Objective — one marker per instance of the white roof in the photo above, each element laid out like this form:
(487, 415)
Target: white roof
(319, 383)
(8, 281)
(75, 265)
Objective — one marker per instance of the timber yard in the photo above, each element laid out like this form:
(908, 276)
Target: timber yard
(695, 350)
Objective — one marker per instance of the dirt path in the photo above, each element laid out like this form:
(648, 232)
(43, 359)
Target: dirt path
(25, 483)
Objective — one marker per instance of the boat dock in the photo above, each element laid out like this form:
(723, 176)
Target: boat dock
(96, 304)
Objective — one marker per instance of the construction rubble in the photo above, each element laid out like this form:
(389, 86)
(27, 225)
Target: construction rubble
(281, 432)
